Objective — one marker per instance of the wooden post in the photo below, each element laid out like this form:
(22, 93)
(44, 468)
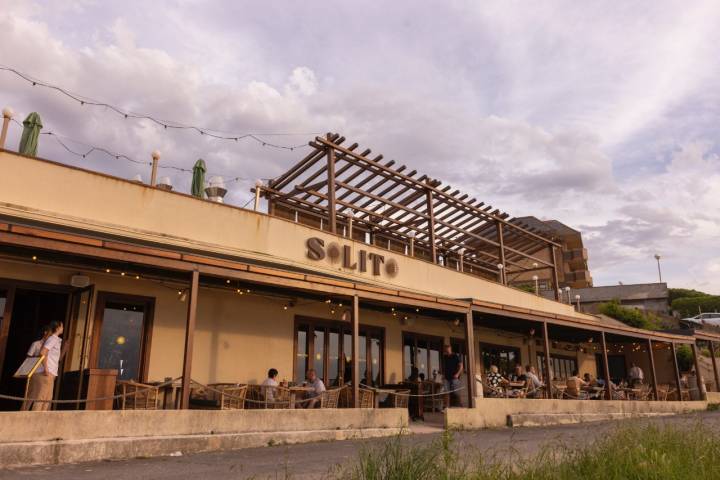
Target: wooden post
(548, 362)
(470, 340)
(153, 176)
(331, 188)
(501, 251)
(606, 367)
(698, 375)
(715, 367)
(556, 281)
(356, 351)
(189, 337)
(431, 225)
(653, 375)
(677, 371)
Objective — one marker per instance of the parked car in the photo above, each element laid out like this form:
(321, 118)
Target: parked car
(704, 318)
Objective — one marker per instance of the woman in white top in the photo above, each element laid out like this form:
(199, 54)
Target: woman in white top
(42, 381)
(34, 351)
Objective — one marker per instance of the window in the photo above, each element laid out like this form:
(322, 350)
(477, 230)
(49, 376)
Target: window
(424, 353)
(121, 335)
(562, 366)
(504, 357)
(327, 347)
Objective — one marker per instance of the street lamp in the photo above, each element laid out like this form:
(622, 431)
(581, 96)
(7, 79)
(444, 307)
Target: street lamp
(567, 290)
(500, 267)
(577, 300)
(535, 279)
(657, 257)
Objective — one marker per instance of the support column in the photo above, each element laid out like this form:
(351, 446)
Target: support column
(431, 225)
(501, 242)
(677, 371)
(715, 367)
(653, 375)
(331, 188)
(556, 281)
(189, 337)
(698, 375)
(356, 351)
(548, 362)
(153, 174)
(606, 368)
(470, 340)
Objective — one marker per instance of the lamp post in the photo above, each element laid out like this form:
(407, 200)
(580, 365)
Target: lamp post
(657, 257)
(500, 267)
(577, 301)
(153, 175)
(537, 289)
(411, 235)
(461, 254)
(567, 290)
(258, 191)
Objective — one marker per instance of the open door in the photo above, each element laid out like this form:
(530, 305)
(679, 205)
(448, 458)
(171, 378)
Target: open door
(70, 381)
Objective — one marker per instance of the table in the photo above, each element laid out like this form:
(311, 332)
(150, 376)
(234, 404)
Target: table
(295, 390)
(513, 387)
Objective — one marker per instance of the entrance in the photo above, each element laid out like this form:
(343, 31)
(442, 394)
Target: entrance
(24, 315)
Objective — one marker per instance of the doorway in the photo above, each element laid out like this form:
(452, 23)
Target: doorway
(26, 311)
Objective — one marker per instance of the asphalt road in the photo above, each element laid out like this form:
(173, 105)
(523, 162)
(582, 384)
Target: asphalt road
(317, 460)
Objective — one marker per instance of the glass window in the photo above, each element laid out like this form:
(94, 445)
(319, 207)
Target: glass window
(319, 353)
(562, 367)
(424, 353)
(504, 357)
(121, 339)
(376, 356)
(301, 354)
(362, 358)
(334, 363)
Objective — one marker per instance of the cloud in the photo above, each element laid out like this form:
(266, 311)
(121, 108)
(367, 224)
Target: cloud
(602, 118)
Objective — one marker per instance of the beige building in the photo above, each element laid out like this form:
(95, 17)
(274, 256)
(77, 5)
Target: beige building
(155, 284)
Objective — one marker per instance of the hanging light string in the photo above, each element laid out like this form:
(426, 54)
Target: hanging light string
(119, 156)
(217, 134)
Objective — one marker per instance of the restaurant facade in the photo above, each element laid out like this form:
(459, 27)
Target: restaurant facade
(358, 269)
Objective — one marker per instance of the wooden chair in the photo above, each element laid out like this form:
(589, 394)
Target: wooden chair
(138, 396)
(367, 398)
(400, 398)
(329, 398)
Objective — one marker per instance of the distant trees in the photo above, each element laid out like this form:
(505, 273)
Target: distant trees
(689, 303)
(631, 316)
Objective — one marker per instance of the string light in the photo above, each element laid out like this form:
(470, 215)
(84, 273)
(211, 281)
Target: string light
(82, 100)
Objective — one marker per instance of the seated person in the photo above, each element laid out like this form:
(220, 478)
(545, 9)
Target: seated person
(318, 387)
(414, 375)
(575, 385)
(269, 385)
(495, 381)
(421, 377)
(518, 375)
(533, 383)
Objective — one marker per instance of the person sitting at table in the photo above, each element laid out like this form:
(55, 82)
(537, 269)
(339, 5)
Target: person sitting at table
(574, 386)
(421, 377)
(533, 383)
(269, 385)
(414, 375)
(518, 375)
(635, 375)
(318, 387)
(495, 382)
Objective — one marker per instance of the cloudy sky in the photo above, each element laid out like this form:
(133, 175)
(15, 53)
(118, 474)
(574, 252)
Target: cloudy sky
(603, 115)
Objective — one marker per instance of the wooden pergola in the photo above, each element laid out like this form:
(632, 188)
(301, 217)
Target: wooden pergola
(343, 189)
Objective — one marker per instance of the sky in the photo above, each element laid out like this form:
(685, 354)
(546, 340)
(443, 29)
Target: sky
(603, 115)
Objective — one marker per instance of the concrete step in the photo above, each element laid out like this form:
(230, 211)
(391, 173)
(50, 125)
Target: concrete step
(547, 419)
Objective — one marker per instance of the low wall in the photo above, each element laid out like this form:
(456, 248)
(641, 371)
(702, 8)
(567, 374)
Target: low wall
(713, 397)
(494, 412)
(77, 436)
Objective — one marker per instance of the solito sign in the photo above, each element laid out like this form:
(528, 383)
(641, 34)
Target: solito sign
(361, 261)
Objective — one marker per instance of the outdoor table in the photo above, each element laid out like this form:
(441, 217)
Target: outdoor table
(295, 390)
(513, 386)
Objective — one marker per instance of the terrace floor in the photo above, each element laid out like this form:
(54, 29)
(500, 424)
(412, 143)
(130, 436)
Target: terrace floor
(316, 460)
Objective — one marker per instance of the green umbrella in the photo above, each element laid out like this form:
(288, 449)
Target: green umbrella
(30, 134)
(198, 180)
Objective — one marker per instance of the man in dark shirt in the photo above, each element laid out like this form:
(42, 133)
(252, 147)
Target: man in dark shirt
(452, 369)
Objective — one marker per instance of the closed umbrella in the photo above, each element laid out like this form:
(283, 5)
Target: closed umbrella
(31, 131)
(198, 179)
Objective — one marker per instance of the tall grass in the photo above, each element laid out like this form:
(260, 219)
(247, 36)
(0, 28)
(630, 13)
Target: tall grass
(647, 452)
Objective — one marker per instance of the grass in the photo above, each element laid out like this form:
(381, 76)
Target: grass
(628, 453)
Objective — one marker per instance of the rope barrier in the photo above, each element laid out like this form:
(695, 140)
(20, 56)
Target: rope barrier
(85, 400)
(395, 392)
(260, 402)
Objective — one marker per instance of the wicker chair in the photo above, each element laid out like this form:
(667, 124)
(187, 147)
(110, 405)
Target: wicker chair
(400, 398)
(280, 397)
(232, 397)
(329, 398)
(137, 396)
(367, 398)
